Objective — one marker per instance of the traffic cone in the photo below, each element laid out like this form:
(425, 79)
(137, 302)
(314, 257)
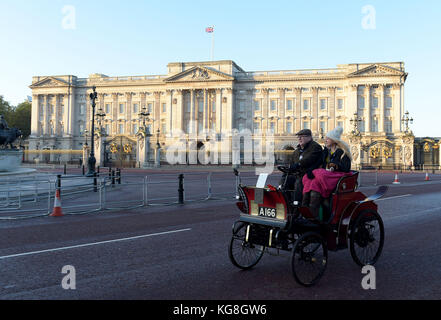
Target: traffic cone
(396, 181)
(427, 177)
(57, 205)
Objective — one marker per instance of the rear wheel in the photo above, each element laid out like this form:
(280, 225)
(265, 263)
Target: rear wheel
(309, 259)
(242, 253)
(367, 238)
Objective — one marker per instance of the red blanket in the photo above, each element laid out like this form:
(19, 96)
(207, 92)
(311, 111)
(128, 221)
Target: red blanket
(324, 182)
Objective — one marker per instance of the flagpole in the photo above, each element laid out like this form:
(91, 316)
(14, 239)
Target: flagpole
(212, 45)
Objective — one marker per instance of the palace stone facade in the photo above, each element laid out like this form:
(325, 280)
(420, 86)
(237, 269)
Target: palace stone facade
(221, 96)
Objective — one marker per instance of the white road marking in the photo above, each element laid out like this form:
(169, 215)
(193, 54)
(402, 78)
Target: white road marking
(92, 244)
(402, 196)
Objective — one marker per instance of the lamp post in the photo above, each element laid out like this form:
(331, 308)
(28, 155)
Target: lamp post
(355, 121)
(405, 121)
(92, 161)
(143, 114)
(100, 118)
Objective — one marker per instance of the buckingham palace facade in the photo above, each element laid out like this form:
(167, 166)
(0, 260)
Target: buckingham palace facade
(366, 99)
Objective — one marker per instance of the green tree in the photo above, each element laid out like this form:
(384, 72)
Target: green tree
(17, 117)
(5, 109)
(21, 118)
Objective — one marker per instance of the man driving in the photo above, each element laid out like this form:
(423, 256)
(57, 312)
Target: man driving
(307, 157)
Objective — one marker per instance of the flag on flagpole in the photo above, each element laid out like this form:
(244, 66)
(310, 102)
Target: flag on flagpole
(209, 30)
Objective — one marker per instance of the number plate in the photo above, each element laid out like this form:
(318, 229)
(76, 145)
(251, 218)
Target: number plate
(267, 212)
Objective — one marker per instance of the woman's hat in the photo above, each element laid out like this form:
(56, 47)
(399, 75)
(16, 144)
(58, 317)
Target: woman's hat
(335, 135)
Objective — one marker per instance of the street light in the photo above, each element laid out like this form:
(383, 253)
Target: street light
(143, 114)
(405, 121)
(92, 161)
(100, 118)
(355, 121)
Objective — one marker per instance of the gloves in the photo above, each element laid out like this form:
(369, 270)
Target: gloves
(310, 174)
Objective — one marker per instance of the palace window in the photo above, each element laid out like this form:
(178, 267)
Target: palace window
(360, 102)
(82, 109)
(150, 107)
(135, 128)
(305, 124)
(200, 106)
(289, 127)
(121, 128)
(256, 105)
(374, 124)
(388, 102)
(388, 125)
(323, 126)
(256, 125)
(213, 106)
(289, 104)
(322, 104)
(340, 124)
(273, 105)
(135, 108)
(121, 108)
(81, 128)
(340, 104)
(164, 128)
(164, 107)
(107, 126)
(306, 104)
(272, 127)
(241, 105)
(375, 102)
(107, 108)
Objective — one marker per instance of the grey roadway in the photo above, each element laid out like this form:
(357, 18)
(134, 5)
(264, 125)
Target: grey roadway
(180, 252)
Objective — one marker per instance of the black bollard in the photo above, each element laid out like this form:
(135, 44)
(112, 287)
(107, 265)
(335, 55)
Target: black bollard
(83, 170)
(118, 174)
(98, 170)
(65, 169)
(59, 182)
(95, 189)
(181, 189)
(113, 178)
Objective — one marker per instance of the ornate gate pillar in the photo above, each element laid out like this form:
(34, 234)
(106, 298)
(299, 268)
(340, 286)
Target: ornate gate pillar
(143, 148)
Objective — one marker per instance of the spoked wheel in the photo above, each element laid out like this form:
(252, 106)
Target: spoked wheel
(243, 254)
(309, 259)
(367, 238)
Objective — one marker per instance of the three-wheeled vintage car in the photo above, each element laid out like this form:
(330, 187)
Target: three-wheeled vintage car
(270, 218)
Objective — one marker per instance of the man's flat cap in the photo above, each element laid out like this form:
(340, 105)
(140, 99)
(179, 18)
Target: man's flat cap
(304, 132)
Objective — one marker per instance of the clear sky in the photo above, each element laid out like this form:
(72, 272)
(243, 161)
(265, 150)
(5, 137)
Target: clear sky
(121, 38)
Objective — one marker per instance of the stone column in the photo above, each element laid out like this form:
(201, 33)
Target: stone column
(143, 152)
(229, 107)
(397, 108)
(35, 114)
(179, 113)
(170, 114)
(56, 115)
(46, 115)
(281, 126)
(331, 109)
(191, 122)
(219, 111)
(204, 110)
(115, 113)
(367, 112)
(265, 110)
(128, 129)
(99, 150)
(71, 120)
(314, 105)
(352, 105)
(381, 107)
(157, 116)
(298, 109)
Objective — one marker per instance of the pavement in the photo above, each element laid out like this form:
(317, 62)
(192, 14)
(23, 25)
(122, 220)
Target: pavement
(179, 252)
